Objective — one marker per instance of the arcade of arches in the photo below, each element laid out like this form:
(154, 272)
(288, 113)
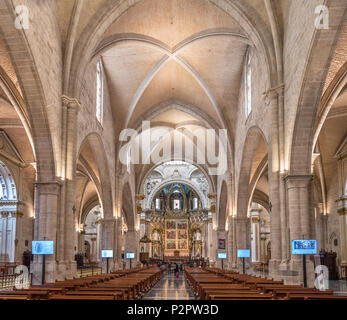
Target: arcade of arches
(261, 71)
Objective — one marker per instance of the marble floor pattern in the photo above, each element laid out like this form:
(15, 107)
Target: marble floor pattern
(170, 288)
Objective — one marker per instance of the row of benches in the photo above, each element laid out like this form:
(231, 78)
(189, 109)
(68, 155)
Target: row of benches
(217, 284)
(119, 285)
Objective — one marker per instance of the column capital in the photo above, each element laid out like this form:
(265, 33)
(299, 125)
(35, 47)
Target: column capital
(298, 181)
(324, 217)
(106, 221)
(49, 187)
(272, 93)
(342, 204)
(342, 211)
(72, 103)
(241, 219)
(255, 219)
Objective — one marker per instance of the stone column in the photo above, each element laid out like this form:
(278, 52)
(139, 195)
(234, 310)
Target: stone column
(298, 189)
(131, 245)
(221, 234)
(324, 231)
(255, 235)
(275, 152)
(19, 248)
(343, 231)
(243, 238)
(262, 248)
(72, 108)
(210, 240)
(319, 226)
(93, 257)
(275, 226)
(46, 210)
(204, 250)
(107, 242)
(118, 244)
(230, 242)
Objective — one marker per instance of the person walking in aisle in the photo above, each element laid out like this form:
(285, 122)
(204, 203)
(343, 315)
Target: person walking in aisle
(176, 270)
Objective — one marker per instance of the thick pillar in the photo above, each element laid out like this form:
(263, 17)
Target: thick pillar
(343, 232)
(210, 240)
(230, 243)
(68, 222)
(275, 167)
(46, 211)
(118, 244)
(221, 234)
(107, 242)
(131, 245)
(243, 239)
(298, 190)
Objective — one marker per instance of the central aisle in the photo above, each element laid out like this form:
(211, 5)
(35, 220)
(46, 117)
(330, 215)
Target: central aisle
(170, 288)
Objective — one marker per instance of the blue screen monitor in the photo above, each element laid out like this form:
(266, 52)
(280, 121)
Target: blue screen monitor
(42, 247)
(304, 246)
(222, 255)
(106, 253)
(130, 255)
(243, 253)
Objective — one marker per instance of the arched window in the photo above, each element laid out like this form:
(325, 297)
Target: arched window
(157, 204)
(99, 92)
(176, 204)
(248, 86)
(195, 203)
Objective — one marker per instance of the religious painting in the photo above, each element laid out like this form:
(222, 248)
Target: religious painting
(182, 244)
(171, 234)
(171, 244)
(170, 225)
(181, 225)
(182, 234)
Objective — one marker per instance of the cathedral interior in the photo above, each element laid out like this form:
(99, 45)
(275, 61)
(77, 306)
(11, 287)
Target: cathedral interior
(173, 132)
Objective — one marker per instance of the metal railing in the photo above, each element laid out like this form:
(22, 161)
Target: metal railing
(88, 271)
(8, 281)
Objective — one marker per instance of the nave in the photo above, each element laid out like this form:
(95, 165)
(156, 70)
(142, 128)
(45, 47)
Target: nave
(170, 288)
(138, 132)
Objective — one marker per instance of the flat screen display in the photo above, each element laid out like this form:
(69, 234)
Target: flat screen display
(42, 247)
(243, 253)
(222, 255)
(304, 246)
(130, 255)
(106, 253)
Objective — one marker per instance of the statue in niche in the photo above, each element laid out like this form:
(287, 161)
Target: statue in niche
(198, 235)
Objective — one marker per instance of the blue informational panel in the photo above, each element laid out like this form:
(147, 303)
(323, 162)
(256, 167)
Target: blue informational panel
(106, 253)
(130, 255)
(304, 246)
(222, 255)
(244, 253)
(42, 247)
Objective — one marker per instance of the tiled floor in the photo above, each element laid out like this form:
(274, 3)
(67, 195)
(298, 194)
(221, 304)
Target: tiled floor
(170, 288)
